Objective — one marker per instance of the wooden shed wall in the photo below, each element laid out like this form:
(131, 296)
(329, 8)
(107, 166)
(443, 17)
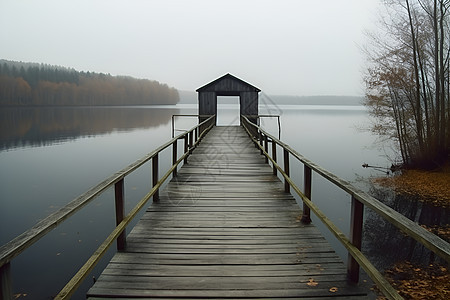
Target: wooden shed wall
(249, 103)
(207, 103)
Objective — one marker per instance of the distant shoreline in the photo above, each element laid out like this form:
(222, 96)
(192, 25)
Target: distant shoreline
(188, 97)
(172, 105)
(83, 106)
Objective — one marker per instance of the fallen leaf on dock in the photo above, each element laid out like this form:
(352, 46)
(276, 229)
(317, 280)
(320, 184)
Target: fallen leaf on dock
(333, 289)
(311, 282)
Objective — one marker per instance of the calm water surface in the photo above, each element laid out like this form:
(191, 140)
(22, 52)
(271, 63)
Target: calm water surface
(49, 156)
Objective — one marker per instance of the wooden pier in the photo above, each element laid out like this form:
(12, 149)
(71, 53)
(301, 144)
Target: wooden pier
(224, 227)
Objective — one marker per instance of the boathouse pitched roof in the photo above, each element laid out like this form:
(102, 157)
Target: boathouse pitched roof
(228, 84)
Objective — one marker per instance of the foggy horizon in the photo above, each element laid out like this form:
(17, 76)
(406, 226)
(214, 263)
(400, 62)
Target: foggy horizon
(296, 48)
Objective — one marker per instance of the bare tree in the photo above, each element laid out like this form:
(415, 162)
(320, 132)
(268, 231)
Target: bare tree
(407, 81)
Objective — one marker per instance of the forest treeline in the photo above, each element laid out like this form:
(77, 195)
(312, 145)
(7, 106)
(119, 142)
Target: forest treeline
(24, 84)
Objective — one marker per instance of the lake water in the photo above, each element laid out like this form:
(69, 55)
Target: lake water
(49, 156)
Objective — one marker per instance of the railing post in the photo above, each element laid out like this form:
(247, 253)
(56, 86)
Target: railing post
(266, 147)
(186, 146)
(356, 226)
(5, 284)
(155, 167)
(173, 126)
(191, 141)
(307, 179)
(261, 141)
(287, 188)
(174, 156)
(196, 134)
(119, 193)
(274, 156)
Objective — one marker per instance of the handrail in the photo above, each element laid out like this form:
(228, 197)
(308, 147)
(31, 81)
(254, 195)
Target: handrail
(271, 116)
(258, 120)
(16, 246)
(359, 198)
(184, 115)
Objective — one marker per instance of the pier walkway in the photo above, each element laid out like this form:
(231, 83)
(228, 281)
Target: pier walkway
(225, 228)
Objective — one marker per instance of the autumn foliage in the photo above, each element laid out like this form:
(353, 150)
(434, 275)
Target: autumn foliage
(417, 282)
(24, 84)
(431, 186)
(407, 81)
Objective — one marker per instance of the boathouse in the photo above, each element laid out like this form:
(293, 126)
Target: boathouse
(228, 85)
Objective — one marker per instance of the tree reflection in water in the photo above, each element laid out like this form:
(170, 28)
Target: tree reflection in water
(25, 127)
(385, 245)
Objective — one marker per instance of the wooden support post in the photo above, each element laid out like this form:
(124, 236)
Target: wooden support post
(174, 156)
(5, 284)
(261, 141)
(287, 188)
(307, 179)
(356, 226)
(196, 134)
(119, 193)
(173, 126)
(186, 146)
(274, 156)
(256, 142)
(266, 147)
(155, 167)
(191, 141)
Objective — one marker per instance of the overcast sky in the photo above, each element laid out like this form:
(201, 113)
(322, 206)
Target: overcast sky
(302, 47)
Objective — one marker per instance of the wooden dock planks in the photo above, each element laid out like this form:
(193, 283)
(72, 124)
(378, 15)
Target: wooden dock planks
(225, 228)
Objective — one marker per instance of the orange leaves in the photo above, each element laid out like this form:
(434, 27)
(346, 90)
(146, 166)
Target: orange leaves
(312, 282)
(333, 289)
(414, 282)
(431, 186)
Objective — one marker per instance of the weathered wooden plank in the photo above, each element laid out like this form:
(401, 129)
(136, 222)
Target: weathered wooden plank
(224, 270)
(228, 231)
(311, 292)
(177, 207)
(334, 297)
(148, 234)
(220, 250)
(184, 285)
(228, 279)
(225, 228)
(224, 259)
(196, 243)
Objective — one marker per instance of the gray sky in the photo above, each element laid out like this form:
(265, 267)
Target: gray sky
(302, 47)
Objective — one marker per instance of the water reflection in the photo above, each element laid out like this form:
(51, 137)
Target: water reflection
(29, 127)
(37, 181)
(385, 244)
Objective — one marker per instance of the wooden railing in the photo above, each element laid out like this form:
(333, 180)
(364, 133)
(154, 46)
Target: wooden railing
(174, 129)
(16, 246)
(353, 243)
